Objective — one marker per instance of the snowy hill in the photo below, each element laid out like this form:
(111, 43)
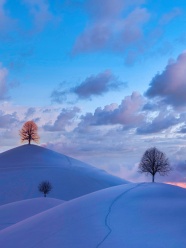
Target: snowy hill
(132, 215)
(14, 212)
(24, 167)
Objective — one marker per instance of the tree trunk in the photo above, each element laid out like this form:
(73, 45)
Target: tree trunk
(153, 178)
(29, 139)
(44, 195)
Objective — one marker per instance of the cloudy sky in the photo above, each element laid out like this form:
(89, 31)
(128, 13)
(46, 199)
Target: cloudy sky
(104, 80)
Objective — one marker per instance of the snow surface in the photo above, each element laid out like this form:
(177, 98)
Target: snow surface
(144, 215)
(24, 167)
(14, 212)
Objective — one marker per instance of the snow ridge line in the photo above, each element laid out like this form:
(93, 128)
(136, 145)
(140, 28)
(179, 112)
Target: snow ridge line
(109, 212)
(68, 159)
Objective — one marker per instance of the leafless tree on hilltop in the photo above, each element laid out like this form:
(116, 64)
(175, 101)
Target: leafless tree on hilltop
(154, 161)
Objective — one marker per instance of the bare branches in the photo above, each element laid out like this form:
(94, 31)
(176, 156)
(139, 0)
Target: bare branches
(154, 161)
(45, 187)
(29, 132)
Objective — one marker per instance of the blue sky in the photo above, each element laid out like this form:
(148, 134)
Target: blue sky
(103, 79)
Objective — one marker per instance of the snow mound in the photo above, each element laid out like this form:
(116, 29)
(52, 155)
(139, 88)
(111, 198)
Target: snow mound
(14, 212)
(24, 167)
(132, 215)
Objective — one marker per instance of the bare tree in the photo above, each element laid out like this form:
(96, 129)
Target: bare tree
(45, 187)
(154, 161)
(29, 132)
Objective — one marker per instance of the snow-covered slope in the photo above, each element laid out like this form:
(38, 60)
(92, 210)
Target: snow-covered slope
(14, 212)
(146, 215)
(24, 167)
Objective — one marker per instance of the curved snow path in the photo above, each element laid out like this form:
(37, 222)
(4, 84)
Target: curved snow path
(109, 212)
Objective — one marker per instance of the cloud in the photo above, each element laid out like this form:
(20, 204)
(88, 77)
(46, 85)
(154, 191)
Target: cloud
(104, 149)
(170, 86)
(178, 163)
(93, 38)
(64, 120)
(110, 9)
(6, 22)
(58, 95)
(118, 152)
(161, 122)
(94, 85)
(126, 114)
(99, 9)
(6, 120)
(166, 18)
(29, 112)
(106, 138)
(97, 85)
(132, 26)
(49, 110)
(4, 87)
(183, 129)
(22, 19)
(112, 25)
(39, 9)
(122, 27)
(5, 83)
(151, 106)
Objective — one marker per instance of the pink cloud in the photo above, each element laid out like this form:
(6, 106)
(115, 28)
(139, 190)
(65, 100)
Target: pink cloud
(111, 26)
(63, 121)
(127, 113)
(170, 85)
(133, 25)
(93, 38)
(110, 9)
(101, 9)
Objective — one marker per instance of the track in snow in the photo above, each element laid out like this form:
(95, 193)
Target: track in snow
(109, 212)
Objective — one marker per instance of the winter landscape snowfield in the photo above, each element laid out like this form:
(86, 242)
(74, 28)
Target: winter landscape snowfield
(116, 215)
(24, 167)
(17, 211)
